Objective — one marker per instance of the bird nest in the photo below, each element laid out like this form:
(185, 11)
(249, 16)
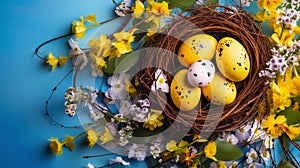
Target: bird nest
(226, 21)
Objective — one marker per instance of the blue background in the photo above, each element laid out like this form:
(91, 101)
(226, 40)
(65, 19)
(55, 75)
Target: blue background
(26, 83)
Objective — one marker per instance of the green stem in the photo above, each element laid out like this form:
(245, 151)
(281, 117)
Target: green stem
(292, 97)
(282, 30)
(78, 135)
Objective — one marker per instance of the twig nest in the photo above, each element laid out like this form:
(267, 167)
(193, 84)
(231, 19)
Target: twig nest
(234, 23)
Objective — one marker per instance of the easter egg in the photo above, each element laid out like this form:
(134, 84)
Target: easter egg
(220, 91)
(232, 59)
(198, 47)
(184, 96)
(201, 73)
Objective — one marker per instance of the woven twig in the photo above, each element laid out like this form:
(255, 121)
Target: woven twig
(236, 23)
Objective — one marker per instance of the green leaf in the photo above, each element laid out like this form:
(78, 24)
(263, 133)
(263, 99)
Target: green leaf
(292, 116)
(297, 138)
(211, 2)
(285, 164)
(227, 152)
(182, 4)
(123, 63)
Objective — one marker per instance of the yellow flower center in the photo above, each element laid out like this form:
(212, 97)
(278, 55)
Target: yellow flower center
(117, 85)
(161, 80)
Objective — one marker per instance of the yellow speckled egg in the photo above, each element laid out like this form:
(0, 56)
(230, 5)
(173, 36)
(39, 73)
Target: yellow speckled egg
(220, 91)
(183, 95)
(232, 59)
(198, 47)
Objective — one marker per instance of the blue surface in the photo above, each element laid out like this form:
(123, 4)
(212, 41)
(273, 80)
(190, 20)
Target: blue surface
(26, 83)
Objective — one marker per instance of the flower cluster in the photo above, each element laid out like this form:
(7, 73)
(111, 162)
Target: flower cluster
(79, 27)
(122, 111)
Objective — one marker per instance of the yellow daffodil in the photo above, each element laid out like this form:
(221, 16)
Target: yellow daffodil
(269, 5)
(156, 12)
(222, 164)
(182, 143)
(292, 83)
(78, 28)
(130, 88)
(172, 146)
(92, 137)
(279, 96)
(198, 138)
(160, 8)
(53, 61)
(138, 9)
(149, 4)
(210, 150)
(262, 16)
(55, 146)
(69, 142)
(273, 15)
(100, 63)
(296, 30)
(275, 126)
(153, 122)
(62, 60)
(106, 136)
(92, 19)
(123, 42)
(100, 47)
(284, 38)
(292, 131)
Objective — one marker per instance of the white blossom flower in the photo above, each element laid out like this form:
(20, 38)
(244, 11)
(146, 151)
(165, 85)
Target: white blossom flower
(265, 155)
(231, 138)
(222, 136)
(255, 165)
(144, 103)
(268, 142)
(193, 150)
(118, 87)
(251, 156)
(137, 151)
(139, 117)
(231, 164)
(242, 134)
(119, 160)
(155, 150)
(160, 82)
(90, 166)
(200, 2)
(256, 132)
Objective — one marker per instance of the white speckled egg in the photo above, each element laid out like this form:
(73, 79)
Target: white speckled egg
(201, 73)
(232, 59)
(183, 95)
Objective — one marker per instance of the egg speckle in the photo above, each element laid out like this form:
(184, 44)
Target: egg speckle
(201, 73)
(184, 96)
(201, 46)
(232, 59)
(220, 91)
